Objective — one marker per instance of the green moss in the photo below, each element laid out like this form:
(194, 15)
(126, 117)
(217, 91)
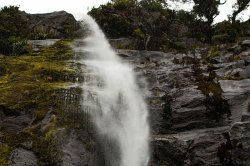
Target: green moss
(27, 77)
(235, 76)
(29, 84)
(5, 152)
(138, 32)
(214, 51)
(120, 46)
(59, 51)
(164, 163)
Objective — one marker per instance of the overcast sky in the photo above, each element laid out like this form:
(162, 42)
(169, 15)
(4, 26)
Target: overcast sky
(80, 7)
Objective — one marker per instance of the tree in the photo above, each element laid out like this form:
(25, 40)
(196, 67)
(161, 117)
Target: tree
(207, 10)
(13, 30)
(239, 6)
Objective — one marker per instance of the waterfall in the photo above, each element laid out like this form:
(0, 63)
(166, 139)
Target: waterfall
(114, 100)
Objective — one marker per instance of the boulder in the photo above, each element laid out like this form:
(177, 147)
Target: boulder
(22, 157)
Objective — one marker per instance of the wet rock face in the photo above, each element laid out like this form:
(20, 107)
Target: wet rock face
(75, 149)
(176, 101)
(198, 116)
(238, 95)
(13, 121)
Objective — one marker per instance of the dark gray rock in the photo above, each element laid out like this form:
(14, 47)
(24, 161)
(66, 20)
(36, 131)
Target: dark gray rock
(238, 94)
(236, 48)
(223, 59)
(240, 138)
(72, 151)
(245, 55)
(16, 123)
(214, 146)
(225, 69)
(22, 157)
(185, 132)
(76, 148)
(121, 43)
(37, 44)
(58, 24)
(246, 43)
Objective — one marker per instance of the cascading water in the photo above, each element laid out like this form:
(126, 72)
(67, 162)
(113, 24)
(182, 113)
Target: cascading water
(119, 110)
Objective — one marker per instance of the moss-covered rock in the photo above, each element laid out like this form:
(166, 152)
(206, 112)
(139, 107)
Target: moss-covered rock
(28, 86)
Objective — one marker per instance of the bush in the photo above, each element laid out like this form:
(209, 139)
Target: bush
(13, 31)
(222, 38)
(138, 33)
(224, 32)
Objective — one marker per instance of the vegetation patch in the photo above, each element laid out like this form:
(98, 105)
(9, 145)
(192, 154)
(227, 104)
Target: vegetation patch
(28, 86)
(235, 76)
(216, 105)
(214, 51)
(5, 151)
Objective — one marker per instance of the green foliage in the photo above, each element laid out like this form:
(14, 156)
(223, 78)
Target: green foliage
(222, 38)
(113, 24)
(138, 33)
(5, 151)
(239, 6)
(164, 163)
(152, 5)
(224, 32)
(148, 20)
(214, 51)
(12, 31)
(207, 10)
(124, 4)
(144, 20)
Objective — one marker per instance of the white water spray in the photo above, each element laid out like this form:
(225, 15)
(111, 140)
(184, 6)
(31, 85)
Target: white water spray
(119, 110)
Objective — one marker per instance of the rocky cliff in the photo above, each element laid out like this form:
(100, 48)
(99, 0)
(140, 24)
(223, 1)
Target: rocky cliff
(199, 105)
(198, 102)
(52, 25)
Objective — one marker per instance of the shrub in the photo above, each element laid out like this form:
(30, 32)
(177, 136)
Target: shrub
(138, 33)
(224, 32)
(221, 38)
(13, 31)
